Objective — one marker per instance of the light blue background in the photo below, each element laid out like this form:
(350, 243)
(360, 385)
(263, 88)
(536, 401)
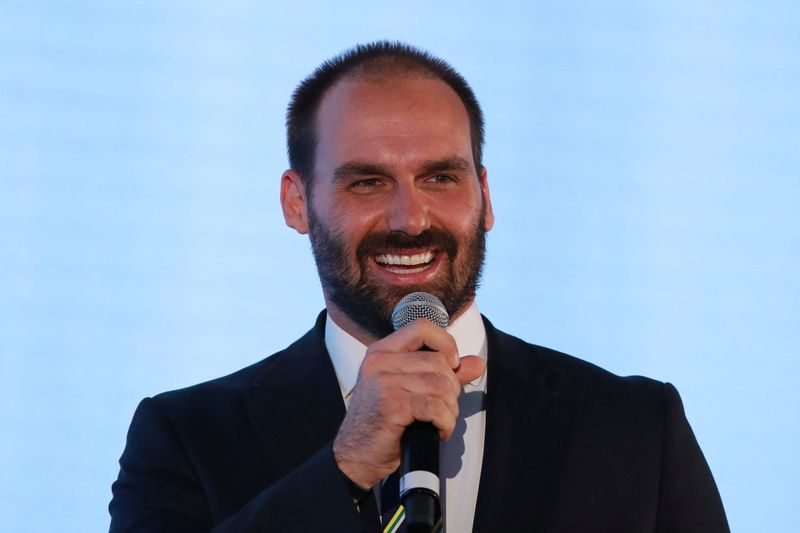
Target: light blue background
(643, 159)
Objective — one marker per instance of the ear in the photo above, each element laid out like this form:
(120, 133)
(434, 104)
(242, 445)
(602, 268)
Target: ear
(293, 201)
(487, 200)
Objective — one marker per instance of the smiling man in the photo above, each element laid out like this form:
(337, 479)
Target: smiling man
(395, 201)
(385, 144)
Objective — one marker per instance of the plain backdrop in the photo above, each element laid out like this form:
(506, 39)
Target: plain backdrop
(643, 159)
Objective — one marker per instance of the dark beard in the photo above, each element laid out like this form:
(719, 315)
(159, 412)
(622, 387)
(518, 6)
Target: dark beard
(369, 303)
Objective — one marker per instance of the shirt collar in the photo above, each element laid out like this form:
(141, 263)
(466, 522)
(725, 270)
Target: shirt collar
(347, 353)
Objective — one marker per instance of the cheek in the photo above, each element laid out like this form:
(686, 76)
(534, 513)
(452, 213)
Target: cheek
(356, 219)
(459, 216)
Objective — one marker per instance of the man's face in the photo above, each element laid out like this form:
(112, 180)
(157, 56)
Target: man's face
(396, 204)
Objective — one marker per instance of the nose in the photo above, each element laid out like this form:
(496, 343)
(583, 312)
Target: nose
(409, 212)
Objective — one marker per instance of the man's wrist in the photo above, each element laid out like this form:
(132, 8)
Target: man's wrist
(357, 492)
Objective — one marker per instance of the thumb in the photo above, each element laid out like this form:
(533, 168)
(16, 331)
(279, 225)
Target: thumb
(471, 368)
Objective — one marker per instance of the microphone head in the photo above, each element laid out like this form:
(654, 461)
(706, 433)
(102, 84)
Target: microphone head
(419, 305)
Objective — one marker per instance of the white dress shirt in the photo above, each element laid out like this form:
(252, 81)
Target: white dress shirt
(461, 457)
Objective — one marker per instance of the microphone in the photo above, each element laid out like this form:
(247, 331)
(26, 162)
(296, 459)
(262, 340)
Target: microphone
(419, 463)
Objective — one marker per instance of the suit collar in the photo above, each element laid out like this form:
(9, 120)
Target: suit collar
(305, 356)
(531, 410)
(296, 394)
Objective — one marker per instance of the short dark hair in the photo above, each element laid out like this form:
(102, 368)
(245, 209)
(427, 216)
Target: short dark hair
(380, 60)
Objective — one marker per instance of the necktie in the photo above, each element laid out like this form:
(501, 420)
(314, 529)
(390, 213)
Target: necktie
(391, 510)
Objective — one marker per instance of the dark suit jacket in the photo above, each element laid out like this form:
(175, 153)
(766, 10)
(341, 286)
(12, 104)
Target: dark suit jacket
(569, 448)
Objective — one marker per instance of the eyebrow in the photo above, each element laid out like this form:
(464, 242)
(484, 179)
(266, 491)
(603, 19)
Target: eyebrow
(443, 165)
(356, 168)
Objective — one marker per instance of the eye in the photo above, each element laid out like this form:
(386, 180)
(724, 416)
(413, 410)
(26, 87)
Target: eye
(441, 179)
(366, 183)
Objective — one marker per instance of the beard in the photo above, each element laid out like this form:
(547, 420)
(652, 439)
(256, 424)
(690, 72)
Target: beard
(369, 302)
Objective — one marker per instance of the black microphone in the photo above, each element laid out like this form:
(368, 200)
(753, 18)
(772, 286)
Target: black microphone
(419, 463)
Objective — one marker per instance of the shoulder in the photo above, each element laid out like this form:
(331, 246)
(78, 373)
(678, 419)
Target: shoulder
(283, 366)
(555, 371)
(627, 435)
(628, 414)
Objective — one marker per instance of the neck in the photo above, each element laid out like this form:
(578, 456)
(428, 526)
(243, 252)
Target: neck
(344, 321)
(365, 337)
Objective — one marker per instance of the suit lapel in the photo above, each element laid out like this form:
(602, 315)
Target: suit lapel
(296, 407)
(530, 413)
(295, 404)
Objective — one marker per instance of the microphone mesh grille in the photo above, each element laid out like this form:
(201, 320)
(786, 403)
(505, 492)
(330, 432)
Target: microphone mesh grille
(419, 305)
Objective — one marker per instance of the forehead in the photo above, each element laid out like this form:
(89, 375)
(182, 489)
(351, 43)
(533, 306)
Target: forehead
(392, 121)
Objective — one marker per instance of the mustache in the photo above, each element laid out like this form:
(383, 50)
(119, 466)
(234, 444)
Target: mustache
(377, 242)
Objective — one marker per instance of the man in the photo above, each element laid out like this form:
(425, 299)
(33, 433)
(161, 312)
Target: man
(387, 180)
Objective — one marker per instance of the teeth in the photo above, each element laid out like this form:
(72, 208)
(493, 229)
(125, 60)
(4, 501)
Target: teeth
(405, 270)
(405, 260)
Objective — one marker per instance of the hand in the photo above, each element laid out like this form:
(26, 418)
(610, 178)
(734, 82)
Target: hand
(398, 384)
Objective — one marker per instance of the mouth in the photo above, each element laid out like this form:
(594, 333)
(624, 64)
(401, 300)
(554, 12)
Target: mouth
(406, 263)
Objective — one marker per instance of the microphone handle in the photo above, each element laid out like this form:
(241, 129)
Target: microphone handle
(419, 463)
(419, 469)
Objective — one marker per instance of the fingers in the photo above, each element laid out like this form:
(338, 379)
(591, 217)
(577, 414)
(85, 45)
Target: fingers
(421, 333)
(430, 368)
(413, 389)
(407, 407)
(413, 374)
(470, 369)
(433, 410)
(413, 386)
